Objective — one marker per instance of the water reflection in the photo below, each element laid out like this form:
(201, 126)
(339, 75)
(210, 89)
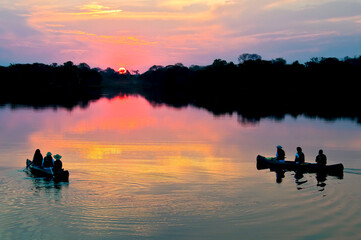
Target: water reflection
(162, 173)
(299, 179)
(41, 183)
(302, 178)
(321, 180)
(47, 188)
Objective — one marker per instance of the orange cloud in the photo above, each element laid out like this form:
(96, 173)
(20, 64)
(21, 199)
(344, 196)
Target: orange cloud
(94, 9)
(181, 4)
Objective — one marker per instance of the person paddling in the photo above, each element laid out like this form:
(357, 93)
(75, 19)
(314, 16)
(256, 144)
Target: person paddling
(321, 158)
(280, 155)
(300, 156)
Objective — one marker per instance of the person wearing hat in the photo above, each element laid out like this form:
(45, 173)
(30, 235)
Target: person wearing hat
(48, 160)
(280, 155)
(58, 165)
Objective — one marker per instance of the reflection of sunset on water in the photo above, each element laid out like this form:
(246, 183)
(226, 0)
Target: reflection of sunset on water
(124, 135)
(168, 158)
(125, 126)
(140, 169)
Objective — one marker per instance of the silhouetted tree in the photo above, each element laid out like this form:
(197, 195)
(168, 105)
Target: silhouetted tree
(135, 72)
(155, 68)
(110, 71)
(248, 57)
(68, 64)
(279, 61)
(84, 66)
(219, 63)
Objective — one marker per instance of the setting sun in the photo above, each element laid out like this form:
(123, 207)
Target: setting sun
(122, 70)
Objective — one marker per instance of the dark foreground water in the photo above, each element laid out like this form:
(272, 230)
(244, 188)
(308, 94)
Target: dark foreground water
(138, 172)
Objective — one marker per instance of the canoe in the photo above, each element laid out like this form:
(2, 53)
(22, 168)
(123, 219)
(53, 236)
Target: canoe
(61, 176)
(273, 164)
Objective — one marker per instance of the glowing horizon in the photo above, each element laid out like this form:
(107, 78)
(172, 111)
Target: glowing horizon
(139, 34)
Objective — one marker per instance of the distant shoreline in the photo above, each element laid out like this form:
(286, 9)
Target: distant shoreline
(254, 89)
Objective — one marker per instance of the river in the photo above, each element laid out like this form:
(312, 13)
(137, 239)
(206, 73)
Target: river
(144, 172)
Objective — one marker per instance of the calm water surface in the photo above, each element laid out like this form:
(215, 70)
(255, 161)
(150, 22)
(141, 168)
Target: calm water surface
(138, 172)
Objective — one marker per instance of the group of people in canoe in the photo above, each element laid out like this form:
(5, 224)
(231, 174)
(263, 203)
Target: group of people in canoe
(321, 158)
(48, 161)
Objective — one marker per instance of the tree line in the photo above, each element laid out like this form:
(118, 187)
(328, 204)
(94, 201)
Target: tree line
(40, 85)
(253, 88)
(256, 88)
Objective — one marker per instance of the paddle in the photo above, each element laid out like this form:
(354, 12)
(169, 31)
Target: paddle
(28, 164)
(51, 170)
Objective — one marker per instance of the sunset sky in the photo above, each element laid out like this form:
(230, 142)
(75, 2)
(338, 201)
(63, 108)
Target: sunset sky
(137, 34)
